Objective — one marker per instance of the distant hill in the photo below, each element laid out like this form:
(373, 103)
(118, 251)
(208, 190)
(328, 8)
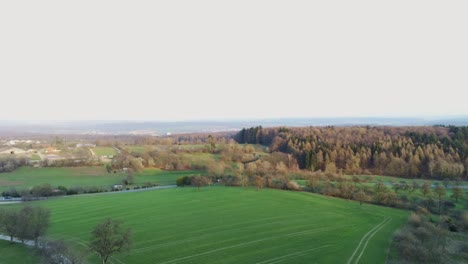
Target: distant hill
(164, 127)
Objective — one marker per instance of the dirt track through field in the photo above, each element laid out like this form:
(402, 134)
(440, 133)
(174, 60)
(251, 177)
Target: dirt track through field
(366, 238)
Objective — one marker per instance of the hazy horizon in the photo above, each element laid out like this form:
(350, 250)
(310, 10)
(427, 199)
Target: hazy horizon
(420, 117)
(207, 60)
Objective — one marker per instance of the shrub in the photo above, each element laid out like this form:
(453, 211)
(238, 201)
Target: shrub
(414, 220)
(181, 181)
(74, 190)
(292, 185)
(464, 220)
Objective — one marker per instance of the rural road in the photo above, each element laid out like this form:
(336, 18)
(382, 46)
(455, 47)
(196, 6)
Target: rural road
(18, 200)
(10, 202)
(127, 191)
(26, 242)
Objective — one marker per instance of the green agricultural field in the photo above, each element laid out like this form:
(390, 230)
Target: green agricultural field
(138, 149)
(35, 157)
(16, 253)
(26, 177)
(104, 151)
(389, 179)
(191, 146)
(231, 225)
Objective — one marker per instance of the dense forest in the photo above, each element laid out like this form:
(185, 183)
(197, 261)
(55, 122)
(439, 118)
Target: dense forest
(436, 152)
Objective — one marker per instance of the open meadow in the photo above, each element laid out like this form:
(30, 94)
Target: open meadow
(104, 151)
(27, 177)
(231, 225)
(16, 253)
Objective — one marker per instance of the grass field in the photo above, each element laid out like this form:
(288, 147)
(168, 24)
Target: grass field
(16, 253)
(138, 149)
(104, 151)
(26, 177)
(35, 157)
(231, 225)
(388, 179)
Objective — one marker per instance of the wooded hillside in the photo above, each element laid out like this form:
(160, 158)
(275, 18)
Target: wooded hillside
(418, 152)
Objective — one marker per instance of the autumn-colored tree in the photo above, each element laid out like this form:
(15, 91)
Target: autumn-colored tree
(244, 181)
(200, 181)
(400, 151)
(251, 169)
(313, 183)
(258, 181)
(360, 196)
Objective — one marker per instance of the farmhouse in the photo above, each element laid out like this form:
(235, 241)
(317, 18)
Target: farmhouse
(51, 150)
(11, 151)
(117, 187)
(10, 143)
(83, 145)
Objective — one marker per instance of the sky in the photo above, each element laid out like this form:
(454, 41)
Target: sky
(199, 60)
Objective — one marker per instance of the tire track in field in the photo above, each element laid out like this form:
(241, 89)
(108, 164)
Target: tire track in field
(143, 249)
(296, 254)
(367, 237)
(365, 245)
(232, 227)
(255, 241)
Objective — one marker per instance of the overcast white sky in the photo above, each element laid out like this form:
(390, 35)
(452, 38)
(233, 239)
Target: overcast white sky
(182, 60)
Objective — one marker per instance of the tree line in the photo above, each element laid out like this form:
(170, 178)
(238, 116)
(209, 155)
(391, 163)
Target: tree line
(436, 152)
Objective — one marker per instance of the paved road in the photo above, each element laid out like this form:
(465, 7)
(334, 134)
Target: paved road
(26, 242)
(9, 202)
(18, 200)
(127, 191)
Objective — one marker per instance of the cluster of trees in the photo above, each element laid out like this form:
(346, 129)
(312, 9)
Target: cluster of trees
(400, 194)
(418, 152)
(195, 180)
(29, 223)
(8, 164)
(183, 159)
(423, 240)
(72, 162)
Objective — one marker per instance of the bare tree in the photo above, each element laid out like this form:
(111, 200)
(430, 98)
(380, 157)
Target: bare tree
(24, 230)
(110, 237)
(59, 252)
(39, 222)
(8, 222)
(32, 223)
